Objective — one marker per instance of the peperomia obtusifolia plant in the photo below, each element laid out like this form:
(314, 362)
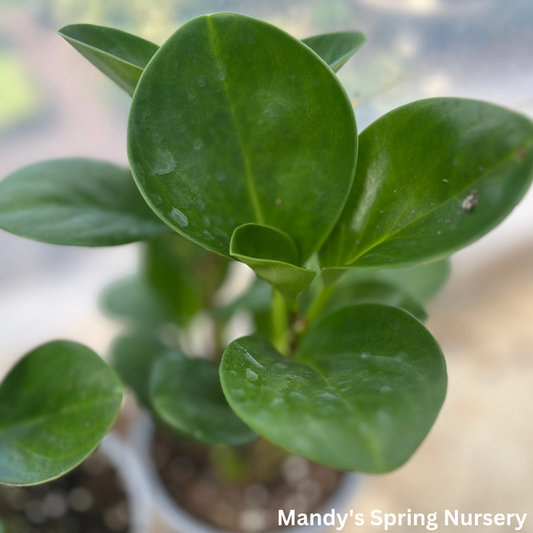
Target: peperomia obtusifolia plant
(242, 140)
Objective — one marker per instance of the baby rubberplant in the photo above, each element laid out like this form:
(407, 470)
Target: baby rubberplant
(242, 140)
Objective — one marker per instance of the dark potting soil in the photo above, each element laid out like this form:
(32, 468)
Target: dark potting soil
(240, 489)
(90, 499)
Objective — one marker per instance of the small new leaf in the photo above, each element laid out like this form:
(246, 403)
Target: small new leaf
(273, 256)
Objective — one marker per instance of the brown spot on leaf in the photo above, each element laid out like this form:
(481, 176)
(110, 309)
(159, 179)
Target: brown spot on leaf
(520, 153)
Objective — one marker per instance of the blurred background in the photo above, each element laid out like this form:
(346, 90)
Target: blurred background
(53, 103)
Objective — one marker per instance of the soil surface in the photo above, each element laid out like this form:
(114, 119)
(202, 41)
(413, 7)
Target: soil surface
(240, 489)
(90, 499)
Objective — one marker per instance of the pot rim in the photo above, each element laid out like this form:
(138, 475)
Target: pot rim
(130, 470)
(180, 520)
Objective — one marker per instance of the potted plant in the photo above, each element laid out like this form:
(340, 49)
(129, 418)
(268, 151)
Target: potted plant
(218, 478)
(242, 140)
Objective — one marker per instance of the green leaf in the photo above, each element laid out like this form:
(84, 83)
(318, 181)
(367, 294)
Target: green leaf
(119, 55)
(122, 56)
(184, 275)
(187, 395)
(273, 256)
(420, 282)
(134, 299)
(362, 393)
(336, 48)
(133, 356)
(263, 242)
(432, 177)
(77, 202)
(234, 122)
(56, 405)
(372, 292)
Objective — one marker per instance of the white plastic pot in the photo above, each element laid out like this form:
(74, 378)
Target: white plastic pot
(131, 473)
(180, 521)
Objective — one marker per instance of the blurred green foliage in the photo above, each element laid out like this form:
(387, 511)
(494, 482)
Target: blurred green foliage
(20, 100)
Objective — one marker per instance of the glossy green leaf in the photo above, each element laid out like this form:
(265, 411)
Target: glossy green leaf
(372, 292)
(56, 405)
(184, 275)
(119, 55)
(336, 48)
(273, 256)
(133, 356)
(77, 202)
(134, 299)
(420, 282)
(233, 122)
(432, 177)
(186, 394)
(361, 394)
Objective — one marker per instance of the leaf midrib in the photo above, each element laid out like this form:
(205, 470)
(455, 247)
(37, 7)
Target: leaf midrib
(372, 443)
(103, 52)
(245, 156)
(32, 421)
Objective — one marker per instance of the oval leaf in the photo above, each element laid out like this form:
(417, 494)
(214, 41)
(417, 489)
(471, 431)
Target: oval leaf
(363, 392)
(273, 256)
(234, 121)
(119, 55)
(77, 202)
(372, 292)
(187, 395)
(421, 282)
(336, 48)
(56, 405)
(432, 177)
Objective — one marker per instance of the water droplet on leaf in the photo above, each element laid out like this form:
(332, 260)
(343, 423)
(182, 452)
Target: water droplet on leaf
(251, 375)
(177, 216)
(197, 144)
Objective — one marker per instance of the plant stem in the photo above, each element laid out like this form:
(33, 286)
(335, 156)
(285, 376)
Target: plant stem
(280, 323)
(319, 302)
